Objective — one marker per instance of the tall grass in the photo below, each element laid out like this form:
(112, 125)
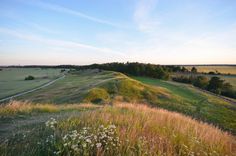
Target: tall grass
(141, 130)
(148, 131)
(18, 107)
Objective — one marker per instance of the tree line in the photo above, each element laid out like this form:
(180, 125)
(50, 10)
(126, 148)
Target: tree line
(214, 84)
(137, 69)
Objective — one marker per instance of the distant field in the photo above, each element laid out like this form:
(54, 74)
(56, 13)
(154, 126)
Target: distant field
(221, 69)
(12, 79)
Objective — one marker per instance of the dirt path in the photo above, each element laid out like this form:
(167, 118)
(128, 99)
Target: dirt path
(32, 90)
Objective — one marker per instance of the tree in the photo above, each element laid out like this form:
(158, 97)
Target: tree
(183, 69)
(227, 90)
(201, 82)
(194, 70)
(215, 85)
(29, 77)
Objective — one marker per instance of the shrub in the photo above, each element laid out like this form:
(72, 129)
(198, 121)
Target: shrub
(215, 85)
(29, 78)
(201, 82)
(97, 95)
(194, 70)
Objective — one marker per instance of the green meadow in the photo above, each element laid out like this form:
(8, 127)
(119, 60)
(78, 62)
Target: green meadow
(12, 80)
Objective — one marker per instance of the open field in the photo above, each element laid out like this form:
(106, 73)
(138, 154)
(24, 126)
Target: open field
(221, 69)
(152, 132)
(12, 79)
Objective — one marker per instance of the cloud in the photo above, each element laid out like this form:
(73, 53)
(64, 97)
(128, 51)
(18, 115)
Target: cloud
(57, 8)
(57, 43)
(142, 15)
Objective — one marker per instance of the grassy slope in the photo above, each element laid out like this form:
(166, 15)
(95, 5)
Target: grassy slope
(190, 101)
(12, 79)
(152, 132)
(78, 87)
(107, 86)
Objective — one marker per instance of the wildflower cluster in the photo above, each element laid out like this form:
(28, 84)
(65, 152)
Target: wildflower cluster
(51, 123)
(89, 141)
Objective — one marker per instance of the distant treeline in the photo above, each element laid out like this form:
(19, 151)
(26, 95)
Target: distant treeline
(137, 69)
(214, 84)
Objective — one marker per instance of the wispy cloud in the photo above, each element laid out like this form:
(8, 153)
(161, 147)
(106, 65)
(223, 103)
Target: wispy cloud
(61, 9)
(58, 43)
(142, 15)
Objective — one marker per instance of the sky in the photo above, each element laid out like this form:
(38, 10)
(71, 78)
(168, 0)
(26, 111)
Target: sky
(53, 32)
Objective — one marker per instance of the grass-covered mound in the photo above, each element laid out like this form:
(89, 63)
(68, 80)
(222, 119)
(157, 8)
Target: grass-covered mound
(123, 88)
(123, 129)
(97, 95)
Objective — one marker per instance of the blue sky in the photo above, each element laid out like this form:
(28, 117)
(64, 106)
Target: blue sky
(84, 32)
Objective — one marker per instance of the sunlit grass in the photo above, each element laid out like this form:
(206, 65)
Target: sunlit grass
(17, 108)
(141, 130)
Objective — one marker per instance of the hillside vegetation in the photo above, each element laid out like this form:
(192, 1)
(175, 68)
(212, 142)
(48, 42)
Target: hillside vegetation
(122, 129)
(107, 87)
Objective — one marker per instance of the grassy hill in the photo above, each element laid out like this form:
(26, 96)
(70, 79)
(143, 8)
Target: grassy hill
(200, 105)
(121, 129)
(107, 87)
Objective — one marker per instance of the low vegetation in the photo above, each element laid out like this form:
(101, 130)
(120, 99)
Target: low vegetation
(122, 129)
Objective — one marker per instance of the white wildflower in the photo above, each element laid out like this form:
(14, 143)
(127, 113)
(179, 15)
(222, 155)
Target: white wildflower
(98, 145)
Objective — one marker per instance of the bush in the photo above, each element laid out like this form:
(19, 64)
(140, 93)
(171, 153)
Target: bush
(97, 95)
(29, 78)
(183, 79)
(215, 85)
(201, 82)
(228, 90)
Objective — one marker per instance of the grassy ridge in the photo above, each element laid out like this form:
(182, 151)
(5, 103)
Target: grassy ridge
(136, 130)
(190, 101)
(94, 86)
(108, 87)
